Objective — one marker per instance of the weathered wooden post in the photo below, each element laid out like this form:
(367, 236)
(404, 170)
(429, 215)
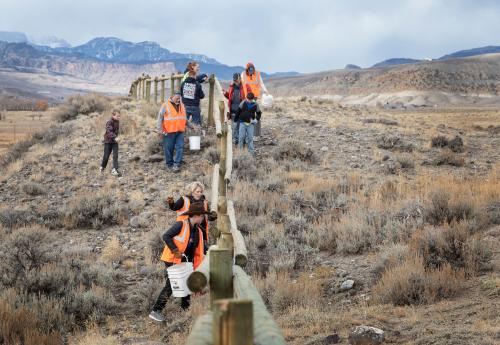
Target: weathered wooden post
(172, 85)
(221, 274)
(211, 80)
(179, 81)
(162, 95)
(156, 90)
(232, 322)
(148, 90)
(223, 155)
(144, 87)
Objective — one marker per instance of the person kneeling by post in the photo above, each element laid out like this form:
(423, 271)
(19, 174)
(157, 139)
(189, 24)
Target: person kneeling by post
(183, 240)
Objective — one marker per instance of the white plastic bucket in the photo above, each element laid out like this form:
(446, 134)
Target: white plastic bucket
(194, 143)
(267, 101)
(178, 275)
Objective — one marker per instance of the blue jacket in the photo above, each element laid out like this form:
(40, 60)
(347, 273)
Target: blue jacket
(191, 92)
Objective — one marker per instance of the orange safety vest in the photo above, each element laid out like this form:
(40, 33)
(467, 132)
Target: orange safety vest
(181, 242)
(253, 82)
(173, 120)
(185, 207)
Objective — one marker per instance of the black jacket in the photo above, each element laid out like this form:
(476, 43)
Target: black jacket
(247, 112)
(191, 92)
(175, 230)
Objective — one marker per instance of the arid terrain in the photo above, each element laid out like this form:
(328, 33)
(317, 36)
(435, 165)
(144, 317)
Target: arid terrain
(352, 215)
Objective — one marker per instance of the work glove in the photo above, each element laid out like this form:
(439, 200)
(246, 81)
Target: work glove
(116, 139)
(177, 254)
(212, 215)
(254, 121)
(170, 200)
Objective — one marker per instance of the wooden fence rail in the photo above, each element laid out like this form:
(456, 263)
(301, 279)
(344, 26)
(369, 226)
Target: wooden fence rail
(238, 314)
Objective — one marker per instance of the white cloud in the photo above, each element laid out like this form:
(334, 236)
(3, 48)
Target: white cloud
(277, 35)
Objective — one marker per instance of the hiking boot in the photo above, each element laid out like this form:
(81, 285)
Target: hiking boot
(115, 172)
(101, 170)
(176, 168)
(156, 315)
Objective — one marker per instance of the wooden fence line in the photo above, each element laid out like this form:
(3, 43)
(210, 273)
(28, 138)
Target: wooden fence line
(238, 314)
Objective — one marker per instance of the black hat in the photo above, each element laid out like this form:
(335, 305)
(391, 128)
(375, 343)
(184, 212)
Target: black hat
(250, 95)
(196, 209)
(236, 76)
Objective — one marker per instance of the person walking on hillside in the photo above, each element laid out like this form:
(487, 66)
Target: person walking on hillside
(111, 142)
(252, 82)
(183, 241)
(192, 92)
(171, 125)
(247, 115)
(193, 194)
(235, 96)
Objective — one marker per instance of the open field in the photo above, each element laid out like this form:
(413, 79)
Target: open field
(390, 199)
(19, 125)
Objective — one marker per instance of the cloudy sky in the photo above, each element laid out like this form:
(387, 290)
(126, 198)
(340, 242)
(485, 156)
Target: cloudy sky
(304, 36)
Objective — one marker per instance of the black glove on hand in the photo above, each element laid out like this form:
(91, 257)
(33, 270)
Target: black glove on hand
(212, 216)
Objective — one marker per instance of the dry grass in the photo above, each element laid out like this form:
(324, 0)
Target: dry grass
(81, 105)
(94, 336)
(113, 251)
(411, 283)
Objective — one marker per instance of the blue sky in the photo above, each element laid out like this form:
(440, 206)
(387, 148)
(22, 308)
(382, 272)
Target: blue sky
(304, 36)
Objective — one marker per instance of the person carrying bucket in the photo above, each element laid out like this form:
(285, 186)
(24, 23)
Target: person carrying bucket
(193, 194)
(252, 82)
(171, 125)
(183, 241)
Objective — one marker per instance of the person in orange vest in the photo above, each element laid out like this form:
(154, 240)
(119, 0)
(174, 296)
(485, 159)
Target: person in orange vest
(183, 241)
(252, 82)
(193, 194)
(171, 125)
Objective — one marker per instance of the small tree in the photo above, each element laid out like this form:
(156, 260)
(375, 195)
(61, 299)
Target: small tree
(41, 105)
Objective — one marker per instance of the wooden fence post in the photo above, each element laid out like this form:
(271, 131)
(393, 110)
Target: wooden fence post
(221, 274)
(148, 90)
(162, 96)
(232, 322)
(172, 85)
(144, 87)
(211, 80)
(223, 153)
(156, 90)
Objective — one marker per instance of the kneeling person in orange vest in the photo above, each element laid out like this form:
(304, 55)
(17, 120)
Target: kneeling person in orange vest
(183, 240)
(193, 194)
(171, 125)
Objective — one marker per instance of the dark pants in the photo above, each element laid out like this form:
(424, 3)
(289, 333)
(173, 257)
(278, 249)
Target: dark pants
(195, 112)
(236, 129)
(171, 142)
(108, 147)
(166, 292)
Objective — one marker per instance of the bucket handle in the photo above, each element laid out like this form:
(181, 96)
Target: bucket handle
(184, 255)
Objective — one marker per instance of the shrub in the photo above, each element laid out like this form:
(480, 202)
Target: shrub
(290, 149)
(452, 245)
(93, 304)
(244, 166)
(156, 244)
(144, 295)
(493, 212)
(394, 143)
(94, 212)
(81, 104)
(406, 160)
(33, 188)
(449, 158)
(409, 283)
(24, 250)
(112, 251)
(11, 218)
(441, 210)
(389, 257)
(439, 141)
(18, 325)
(212, 155)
